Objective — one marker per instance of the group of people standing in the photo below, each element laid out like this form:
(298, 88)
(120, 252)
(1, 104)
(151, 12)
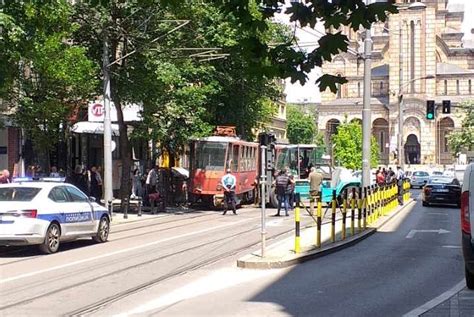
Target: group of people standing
(387, 177)
(88, 181)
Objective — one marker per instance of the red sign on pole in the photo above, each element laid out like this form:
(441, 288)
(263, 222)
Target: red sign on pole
(98, 110)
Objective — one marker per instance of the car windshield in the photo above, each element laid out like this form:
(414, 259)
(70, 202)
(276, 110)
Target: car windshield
(442, 180)
(420, 174)
(437, 173)
(18, 193)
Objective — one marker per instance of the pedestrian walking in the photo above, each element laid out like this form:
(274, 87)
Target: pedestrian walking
(291, 192)
(95, 189)
(151, 187)
(136, 184)
(54, 172)
(79, 179)
(380, 178)
(400, 177)
(4, 177)
(315, 180)
(281, 183)
(228, 182)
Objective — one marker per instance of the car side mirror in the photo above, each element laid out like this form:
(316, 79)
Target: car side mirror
(92, 199)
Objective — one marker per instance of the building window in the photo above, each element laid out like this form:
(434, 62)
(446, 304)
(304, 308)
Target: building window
(445, 87)
(469, 86)
(457, 87)
(381, 88)
(412, 56)
(358, 89)
(339, 92)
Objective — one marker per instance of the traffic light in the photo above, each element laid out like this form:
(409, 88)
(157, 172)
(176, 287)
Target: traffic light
(446, 106)
(430, 109)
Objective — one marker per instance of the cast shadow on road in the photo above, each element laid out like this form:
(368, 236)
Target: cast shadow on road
(33, 250)
(384, 275)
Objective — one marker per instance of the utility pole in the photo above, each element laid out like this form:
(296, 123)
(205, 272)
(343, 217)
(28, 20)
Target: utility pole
(366, 112)
(108, 193)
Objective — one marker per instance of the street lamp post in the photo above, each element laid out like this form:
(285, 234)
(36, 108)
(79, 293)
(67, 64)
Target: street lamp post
(366, 113)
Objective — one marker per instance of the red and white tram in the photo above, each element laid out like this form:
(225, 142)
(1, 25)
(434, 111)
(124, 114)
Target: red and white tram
(210, 157)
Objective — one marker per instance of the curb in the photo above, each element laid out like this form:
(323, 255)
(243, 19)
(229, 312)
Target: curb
(315, 253)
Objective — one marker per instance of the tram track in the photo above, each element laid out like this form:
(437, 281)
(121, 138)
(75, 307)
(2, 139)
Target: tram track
(21, 250)
(155, 281)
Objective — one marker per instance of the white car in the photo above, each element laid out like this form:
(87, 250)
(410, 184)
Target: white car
(47, 213)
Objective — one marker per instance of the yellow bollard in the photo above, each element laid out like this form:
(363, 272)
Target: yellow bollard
(319, 222)
(359, 214)
(364, 206)
(333, 217)
(297, 225)
(352, 210)
(344, 214)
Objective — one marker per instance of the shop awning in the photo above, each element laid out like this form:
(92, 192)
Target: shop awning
(93, 128)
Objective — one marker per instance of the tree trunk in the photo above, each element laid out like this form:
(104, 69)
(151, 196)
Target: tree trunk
(126, 155)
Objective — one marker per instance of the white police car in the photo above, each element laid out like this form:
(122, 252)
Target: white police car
(47, 213)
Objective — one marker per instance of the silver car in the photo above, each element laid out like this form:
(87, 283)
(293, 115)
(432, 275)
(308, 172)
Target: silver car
(419, 179)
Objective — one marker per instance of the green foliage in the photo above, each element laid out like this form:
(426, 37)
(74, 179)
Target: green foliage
(463, 140)
(348, 146)
(301, 127)
(46, 76)
(286, 60)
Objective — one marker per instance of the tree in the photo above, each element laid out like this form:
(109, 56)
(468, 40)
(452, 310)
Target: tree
(347, 144)
(183, 93)
(44, 76)
(301, 127)
(463, 140)
(284, 60)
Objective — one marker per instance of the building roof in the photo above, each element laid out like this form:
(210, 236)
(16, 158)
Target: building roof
(448, 69)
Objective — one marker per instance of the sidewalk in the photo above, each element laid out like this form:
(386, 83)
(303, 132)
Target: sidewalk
(282, 254)
(132, 215)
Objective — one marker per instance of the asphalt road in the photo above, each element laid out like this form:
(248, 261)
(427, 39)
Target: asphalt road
(184, 265)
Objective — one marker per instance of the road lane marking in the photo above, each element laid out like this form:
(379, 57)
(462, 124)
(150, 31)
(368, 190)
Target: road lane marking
(412, 233)
(216, 281)
(14, 278)
(451, 246)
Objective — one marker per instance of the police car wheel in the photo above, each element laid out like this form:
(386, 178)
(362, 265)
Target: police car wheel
(51, 240)
(103, 230)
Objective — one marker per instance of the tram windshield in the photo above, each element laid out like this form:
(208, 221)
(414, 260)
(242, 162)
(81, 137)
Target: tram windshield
(210, 155)
(300, 159)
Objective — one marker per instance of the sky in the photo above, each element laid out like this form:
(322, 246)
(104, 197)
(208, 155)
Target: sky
(310, 91)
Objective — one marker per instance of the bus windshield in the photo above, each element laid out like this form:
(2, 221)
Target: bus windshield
(210, 155)
(299, 159)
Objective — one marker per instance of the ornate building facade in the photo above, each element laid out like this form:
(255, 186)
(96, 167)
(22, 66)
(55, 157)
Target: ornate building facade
(418, 52)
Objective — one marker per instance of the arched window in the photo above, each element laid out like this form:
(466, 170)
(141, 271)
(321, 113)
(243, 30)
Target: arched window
(457, 87)
(445, 87)
(382, 141)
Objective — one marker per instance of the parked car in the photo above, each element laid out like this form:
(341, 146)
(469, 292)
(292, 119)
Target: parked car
(408, 175)
(48, 213)
(419, 179)
(467, 223)
(459, 172)
(441, 190)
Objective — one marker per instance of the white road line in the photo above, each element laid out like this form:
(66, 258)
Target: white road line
(213, 282)
(451, 246)
(412, 233)
(14, 278)
(436, 301)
